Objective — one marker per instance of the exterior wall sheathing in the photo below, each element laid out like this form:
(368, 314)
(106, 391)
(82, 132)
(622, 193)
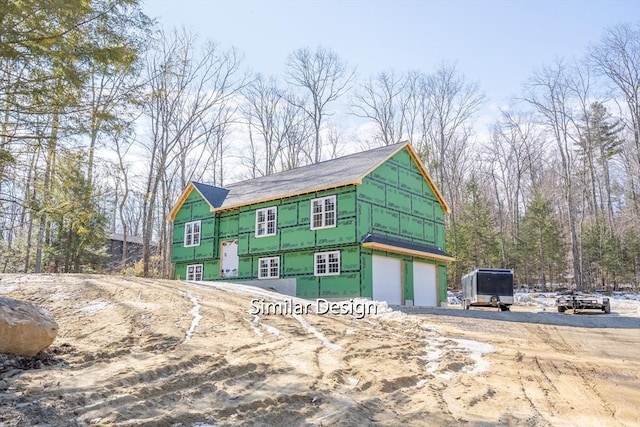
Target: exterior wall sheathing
(396, 201)
(393, 200)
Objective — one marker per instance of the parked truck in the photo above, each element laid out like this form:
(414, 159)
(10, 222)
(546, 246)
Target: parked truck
(488, 287)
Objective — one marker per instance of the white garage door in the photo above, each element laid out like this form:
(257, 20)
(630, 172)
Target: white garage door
(387, 280)
(425, 288)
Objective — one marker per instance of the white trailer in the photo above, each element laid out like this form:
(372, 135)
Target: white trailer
(488, 287)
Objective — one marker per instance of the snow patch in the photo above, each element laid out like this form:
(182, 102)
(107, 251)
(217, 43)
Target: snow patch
(272, 330)
(319, 335)
(256, 330)
(195, 312)
(434, 354)
(383, 311)
(421, 383)
(5, 289)
(256, 323)
(95, 307)
(477, 350)
(442, 347)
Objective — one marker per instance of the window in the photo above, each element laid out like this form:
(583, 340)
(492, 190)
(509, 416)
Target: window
(269, 268)
(323, 212)
(326, 263)
(266, 220)
(192, 234)
(194, 272)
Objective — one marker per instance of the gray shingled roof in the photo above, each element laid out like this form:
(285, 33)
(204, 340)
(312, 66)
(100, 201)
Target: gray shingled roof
(401, 243)
(306, 179)
(130, 239)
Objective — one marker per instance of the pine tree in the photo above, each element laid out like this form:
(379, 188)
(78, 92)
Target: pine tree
(61, 63)
(631, 257)
(77, 235)
(475, 242)
(540, 246)
(599, 143)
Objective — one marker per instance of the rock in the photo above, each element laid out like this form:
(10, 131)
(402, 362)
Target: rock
(25, 329)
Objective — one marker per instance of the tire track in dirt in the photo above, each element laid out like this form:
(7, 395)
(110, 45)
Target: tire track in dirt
(531, 397)
(129, 364)
(578, 381)
(591, 385)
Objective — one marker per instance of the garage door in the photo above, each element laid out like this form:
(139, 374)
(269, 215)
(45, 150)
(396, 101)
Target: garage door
(387, 280)
(425, 288)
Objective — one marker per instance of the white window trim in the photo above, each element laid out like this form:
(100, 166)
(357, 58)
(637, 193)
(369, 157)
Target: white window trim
(325, 255)
(195, 273)
(269, 260)
(335, 213)
(186, 228)
(266, 221)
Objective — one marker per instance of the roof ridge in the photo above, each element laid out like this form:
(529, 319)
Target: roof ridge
(384, 147)
(208, 185)
(341, 171)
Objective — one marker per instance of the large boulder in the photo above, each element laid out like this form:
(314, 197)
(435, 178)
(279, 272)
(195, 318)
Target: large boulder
(25, 329)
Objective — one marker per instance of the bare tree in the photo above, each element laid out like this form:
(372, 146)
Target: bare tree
(617, 56)
(383, 100)
(417, 113)
(297, 135)
(334, 138)
(279, 130)
(216, 144)
(264, 101)
(399, 105)
(183, 88)
(122, 144)
(511, 161)
(549, 92)
(453, 102)
(109, 97)
(325, 77)
(202, 147)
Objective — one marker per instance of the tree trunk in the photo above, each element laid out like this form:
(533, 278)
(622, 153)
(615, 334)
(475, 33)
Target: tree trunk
(46, 189)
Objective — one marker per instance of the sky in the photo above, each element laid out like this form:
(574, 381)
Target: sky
(498, 44)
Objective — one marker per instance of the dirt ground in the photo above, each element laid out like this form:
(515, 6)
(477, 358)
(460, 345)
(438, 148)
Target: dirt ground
(150, 352)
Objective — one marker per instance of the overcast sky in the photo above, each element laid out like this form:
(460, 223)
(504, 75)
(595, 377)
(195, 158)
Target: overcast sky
(496, 43)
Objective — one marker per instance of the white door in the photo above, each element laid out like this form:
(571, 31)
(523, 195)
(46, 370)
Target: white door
(425, 288)
(387, 280)
(229, 259)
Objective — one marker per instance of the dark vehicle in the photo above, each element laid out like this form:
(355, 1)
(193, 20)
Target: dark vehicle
(575, 301)
(488, 287)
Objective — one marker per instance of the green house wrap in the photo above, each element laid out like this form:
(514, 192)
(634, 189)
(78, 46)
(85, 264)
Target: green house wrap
(367, 225)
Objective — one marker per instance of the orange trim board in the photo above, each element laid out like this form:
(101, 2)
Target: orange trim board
(423, 170)
(445, 205)
(405, 251)
(183, 197)
(284, 196)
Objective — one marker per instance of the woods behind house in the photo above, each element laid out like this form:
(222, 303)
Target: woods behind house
(105, 118)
